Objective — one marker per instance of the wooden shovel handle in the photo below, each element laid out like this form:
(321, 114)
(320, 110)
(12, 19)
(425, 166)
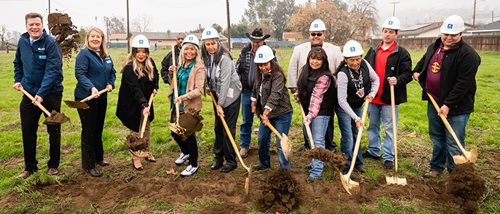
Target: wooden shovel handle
(94, 96)
(448, 126)
(308, 129)
(230, 136)
(35, 102)
(268, 124)
(358, 138)
(176, 90)
(394, 131)
(145, 119)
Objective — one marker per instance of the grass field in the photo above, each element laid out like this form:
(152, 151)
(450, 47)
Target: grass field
(483, 132)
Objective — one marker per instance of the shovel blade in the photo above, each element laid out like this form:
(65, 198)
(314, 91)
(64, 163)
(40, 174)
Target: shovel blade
(343, 181)
(395, 180)
(470, 157)
(286, 147)
(76, 104)
(351, 185)
(176, 129)
(55, 118)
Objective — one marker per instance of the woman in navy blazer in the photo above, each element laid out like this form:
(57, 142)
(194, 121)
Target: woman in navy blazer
(94, 71)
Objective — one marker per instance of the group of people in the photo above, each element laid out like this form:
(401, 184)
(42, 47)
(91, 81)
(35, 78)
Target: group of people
(322, 78)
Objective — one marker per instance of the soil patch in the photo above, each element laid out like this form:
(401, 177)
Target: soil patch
(466, 186)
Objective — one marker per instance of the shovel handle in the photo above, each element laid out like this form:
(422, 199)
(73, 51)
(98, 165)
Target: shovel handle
(35, 102)
(268, 124)
(448, 126)
(394, 131)
(358, 139)
(308, 129)
(176, 90)
(230, 136)
(94, 95)
(145, 119)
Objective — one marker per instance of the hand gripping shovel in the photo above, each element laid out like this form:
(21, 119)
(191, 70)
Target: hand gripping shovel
(52, 118)
(394, 179)
(82, 103)
(311, 144)
(230, 136)
(286, 147)
(174, 127)
(353, 185)
(466, 157)
(145, 118)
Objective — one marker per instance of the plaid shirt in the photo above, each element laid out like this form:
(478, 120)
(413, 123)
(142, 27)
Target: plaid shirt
(319, 90)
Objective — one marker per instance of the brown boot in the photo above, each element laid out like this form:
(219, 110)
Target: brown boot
(244, 152)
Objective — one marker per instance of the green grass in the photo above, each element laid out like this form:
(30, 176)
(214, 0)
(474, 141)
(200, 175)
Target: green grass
(483, 131)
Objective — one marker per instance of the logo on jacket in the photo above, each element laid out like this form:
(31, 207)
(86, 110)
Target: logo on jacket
(435, 67)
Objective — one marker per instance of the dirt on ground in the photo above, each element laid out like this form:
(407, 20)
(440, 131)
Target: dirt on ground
(125, 190)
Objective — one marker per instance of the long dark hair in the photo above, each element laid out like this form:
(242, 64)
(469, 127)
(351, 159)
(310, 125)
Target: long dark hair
(315, 53)
(221, 50)
(275, 67)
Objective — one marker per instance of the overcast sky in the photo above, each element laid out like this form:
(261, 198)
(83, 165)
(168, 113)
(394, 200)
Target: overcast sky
(184, 15)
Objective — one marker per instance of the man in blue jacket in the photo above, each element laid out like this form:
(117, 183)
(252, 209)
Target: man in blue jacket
(447, 71)
(38, 69)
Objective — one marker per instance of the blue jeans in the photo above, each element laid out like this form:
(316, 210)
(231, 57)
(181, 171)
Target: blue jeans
(318, 125)
(247, 115)
(349, 132)
(443, 145)
(381, 113)
(282, 125)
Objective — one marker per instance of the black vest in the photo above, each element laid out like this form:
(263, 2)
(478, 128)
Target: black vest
(329, 97)
(352, 98)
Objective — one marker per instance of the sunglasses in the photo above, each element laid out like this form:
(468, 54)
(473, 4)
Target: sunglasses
(316, 34)
(452, 35)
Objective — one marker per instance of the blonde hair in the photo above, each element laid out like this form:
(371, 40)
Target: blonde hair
(182, 58)
(141, 69)
(104, 44)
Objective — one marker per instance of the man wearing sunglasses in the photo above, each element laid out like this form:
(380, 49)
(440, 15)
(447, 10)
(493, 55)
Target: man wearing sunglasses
(447, 71)
(167, 60)
(299, 59)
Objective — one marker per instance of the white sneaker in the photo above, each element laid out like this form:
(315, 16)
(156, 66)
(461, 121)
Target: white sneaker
(181, 159)
(189, 171)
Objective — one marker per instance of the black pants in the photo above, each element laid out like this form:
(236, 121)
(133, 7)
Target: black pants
(189, 146)
(30, 115)
(92, 120)
(222, 146)
(329, 143)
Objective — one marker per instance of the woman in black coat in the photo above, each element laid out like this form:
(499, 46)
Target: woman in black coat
(139, 82)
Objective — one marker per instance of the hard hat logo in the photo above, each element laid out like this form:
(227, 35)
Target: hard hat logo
(391, 22)
(141, 41)
(450, 26)
(353, 49)
(316, 25)
(208, 33)
(261, 55)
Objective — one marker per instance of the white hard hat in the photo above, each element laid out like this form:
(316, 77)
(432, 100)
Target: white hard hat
(209, 33)
(352, 48)
(392, 23)
(317, 25)
(140, 41)
(453, 25)
(191, 39)
(263, 54)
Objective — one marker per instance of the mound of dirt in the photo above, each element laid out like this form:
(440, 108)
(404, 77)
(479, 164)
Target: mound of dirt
(336, 160)
(466, 186)
(280, 194)
(66, 33)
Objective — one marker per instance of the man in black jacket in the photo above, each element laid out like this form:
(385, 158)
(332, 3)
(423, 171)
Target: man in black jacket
(247, 70)
(167, 60)
(392, 63)
(447, 71)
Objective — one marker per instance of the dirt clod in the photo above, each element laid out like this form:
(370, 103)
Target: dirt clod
(66, 33)
(280, 194)
(466, 186)
(336, 160)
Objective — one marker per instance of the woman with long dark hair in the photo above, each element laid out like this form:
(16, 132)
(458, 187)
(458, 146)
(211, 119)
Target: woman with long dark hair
(316, 92)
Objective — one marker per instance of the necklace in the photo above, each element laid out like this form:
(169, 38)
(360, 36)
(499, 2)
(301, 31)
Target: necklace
(358, 83)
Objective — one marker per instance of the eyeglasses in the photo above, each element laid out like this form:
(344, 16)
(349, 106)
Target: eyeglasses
(316, 34)
(452, 35)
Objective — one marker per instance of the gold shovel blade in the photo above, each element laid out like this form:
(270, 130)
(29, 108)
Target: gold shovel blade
(470, 157)
(343, 181)
(395, 180)
(286, 147)
(76, 104)
(351, 185)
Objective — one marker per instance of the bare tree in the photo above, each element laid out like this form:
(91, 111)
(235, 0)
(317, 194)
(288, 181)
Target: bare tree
(141, 23)
(4, 36)
(114, 24)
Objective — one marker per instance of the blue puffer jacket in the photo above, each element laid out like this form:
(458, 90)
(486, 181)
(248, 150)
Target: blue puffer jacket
(93, 71)
(38, 67)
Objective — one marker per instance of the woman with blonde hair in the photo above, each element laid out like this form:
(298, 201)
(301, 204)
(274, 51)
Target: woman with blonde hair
(139, 82)
(94, 71)
(190, 79)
